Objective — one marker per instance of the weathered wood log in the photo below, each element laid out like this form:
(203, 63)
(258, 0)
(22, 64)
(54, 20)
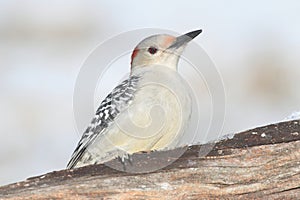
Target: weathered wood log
(262, 163)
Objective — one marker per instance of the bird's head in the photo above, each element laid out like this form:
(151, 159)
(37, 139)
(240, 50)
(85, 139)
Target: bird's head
(163, 50)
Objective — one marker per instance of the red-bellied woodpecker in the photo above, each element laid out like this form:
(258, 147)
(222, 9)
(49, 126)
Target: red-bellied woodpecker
(148, 111)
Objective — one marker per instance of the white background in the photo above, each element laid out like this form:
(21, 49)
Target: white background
(255, 46)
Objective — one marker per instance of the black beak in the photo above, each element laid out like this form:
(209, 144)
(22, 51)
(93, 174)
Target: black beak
(193, 34)
(183, 39)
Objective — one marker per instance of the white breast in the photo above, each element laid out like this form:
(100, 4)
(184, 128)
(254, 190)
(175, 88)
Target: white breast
(157, 118)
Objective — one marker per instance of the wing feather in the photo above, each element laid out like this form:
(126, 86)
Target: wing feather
(115, 102)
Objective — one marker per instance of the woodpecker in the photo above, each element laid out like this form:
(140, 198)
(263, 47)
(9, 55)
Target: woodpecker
(148, 111)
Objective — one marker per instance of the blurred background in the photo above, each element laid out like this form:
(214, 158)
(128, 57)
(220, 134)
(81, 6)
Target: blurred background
(255, 45)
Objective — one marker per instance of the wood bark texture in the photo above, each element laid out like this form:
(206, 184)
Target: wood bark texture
(262, 163)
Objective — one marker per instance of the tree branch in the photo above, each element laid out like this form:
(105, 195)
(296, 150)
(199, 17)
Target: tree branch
(256, 164)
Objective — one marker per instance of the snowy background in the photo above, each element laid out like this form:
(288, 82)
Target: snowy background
(255, 47)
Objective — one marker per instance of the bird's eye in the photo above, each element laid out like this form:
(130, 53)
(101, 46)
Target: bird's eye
(152, 50)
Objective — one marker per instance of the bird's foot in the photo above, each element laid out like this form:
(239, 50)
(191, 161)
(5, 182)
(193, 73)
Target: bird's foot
(125, 158)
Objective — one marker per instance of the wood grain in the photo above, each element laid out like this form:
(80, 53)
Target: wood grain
(262, 163)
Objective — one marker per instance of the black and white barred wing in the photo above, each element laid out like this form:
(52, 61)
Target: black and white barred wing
(116, 102)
